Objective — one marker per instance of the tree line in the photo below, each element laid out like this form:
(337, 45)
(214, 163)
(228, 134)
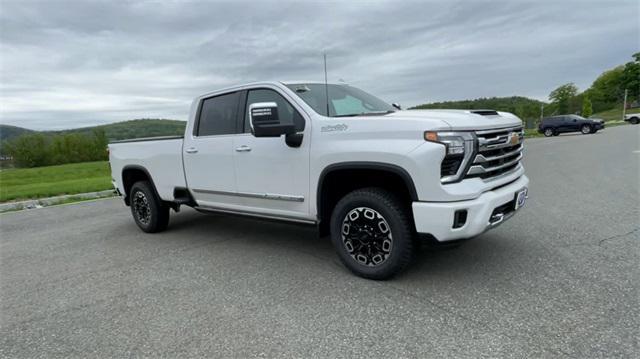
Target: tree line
(28, 148)
(606, 92)
(37, 149)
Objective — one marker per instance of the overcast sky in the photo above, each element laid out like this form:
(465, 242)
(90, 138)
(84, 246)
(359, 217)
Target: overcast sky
(66, 64)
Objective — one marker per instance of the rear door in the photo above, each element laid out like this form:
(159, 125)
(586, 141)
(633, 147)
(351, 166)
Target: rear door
(564, 124)
(208, 151)
(273, 177)
(572, 123)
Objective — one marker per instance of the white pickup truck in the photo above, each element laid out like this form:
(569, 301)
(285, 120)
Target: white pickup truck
(373, 177)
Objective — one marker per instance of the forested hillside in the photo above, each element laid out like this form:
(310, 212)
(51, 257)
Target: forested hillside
(523, 107)
(27, 148)
(604, 96)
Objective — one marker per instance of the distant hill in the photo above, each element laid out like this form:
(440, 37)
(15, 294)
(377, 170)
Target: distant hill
(523, 107)
(114, 131)
(8, 132)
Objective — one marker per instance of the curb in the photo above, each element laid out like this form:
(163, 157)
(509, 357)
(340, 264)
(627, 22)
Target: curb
(50, 201)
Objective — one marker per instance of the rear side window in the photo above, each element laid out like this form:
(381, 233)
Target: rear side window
(218, 115)
(286, 112)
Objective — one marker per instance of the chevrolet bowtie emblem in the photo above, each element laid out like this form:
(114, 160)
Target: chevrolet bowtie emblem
(514, 138)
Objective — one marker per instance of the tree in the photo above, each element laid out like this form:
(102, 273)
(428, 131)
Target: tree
(30, 150)
(607, 89)
(563, 96)
(587, 109)
(630, 78)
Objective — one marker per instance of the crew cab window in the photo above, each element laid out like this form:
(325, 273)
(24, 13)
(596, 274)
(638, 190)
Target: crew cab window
(286, 112)
(218, 115)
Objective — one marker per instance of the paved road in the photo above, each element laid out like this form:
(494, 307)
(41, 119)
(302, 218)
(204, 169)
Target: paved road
(562, 278)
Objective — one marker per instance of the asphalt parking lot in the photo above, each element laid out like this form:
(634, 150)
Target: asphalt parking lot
(560, 279)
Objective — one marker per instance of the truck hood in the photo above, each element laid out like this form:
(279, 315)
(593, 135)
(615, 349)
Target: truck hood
(460, 119)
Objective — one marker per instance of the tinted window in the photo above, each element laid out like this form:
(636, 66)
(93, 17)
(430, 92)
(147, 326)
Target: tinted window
(286, 112)
(218, 115)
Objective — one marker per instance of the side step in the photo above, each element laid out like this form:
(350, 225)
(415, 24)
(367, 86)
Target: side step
(182, 196)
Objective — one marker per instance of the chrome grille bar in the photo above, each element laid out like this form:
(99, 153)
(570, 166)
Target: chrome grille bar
(482, 159)
(482, 170)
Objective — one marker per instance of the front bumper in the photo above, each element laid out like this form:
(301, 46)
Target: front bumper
(485, 212)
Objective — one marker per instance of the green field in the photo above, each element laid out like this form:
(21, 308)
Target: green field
(29, 183)
(614, 114)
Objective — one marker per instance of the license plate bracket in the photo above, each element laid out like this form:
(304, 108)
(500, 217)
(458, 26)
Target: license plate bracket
(521, 197)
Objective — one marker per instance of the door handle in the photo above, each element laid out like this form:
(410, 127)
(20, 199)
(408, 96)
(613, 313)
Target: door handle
(243, 148)
(191, 150)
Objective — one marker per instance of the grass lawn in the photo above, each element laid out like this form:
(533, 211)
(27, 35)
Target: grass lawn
(29, 183)
(614, 114)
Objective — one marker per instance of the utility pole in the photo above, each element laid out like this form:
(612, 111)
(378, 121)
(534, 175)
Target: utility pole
(541, 112)
(624, 104)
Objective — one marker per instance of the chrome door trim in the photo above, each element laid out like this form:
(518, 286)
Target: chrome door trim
(254, 214)
(278, 197)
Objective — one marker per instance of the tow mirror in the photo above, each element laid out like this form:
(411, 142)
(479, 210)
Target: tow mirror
(265, 121)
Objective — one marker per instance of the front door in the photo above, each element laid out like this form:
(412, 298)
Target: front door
(208, 152)
(271, 176)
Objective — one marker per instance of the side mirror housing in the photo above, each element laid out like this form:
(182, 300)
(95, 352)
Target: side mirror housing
(265, 121)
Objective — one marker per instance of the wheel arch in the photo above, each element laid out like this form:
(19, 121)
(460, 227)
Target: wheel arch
(360, 174)
(132, 174)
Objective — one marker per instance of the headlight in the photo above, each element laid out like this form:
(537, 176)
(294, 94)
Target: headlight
(459, 147)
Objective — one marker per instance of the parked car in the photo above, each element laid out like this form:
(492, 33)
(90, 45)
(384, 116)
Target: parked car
(555, 125)
(633, 118)
(372, 177)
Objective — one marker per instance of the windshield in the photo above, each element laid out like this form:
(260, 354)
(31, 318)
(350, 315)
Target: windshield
(344, 100)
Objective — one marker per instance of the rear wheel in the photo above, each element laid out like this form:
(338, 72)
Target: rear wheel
(634, 120)
(148, 210)
(585, 129)
(372, 233)
(548, 132)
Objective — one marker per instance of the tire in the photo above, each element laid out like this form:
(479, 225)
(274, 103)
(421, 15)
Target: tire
(358, 233)
(585, 129)
(634, 120)
(148, 210)
(548, 132)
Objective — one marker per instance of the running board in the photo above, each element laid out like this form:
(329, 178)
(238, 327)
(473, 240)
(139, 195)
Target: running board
(255, 215)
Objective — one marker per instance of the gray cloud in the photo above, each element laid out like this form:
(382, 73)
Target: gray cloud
(66, 64)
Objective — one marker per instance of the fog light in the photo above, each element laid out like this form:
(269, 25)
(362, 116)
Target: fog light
(459, 218)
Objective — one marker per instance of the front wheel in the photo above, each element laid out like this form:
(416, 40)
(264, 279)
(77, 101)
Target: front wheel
(371, 231)
(548, 132)
(585, 129)
(148, 210)
(634, 120)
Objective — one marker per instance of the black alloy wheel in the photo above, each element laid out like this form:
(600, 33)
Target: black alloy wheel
(149, 212)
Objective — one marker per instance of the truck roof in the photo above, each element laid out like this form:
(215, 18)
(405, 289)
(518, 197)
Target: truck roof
(262, 83)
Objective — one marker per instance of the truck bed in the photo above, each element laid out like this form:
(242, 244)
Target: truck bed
(160, 157)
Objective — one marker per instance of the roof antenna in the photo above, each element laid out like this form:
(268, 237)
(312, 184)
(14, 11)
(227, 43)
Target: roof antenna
(326, 85)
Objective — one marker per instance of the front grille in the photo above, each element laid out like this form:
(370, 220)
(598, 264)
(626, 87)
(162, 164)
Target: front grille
(499, 151)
